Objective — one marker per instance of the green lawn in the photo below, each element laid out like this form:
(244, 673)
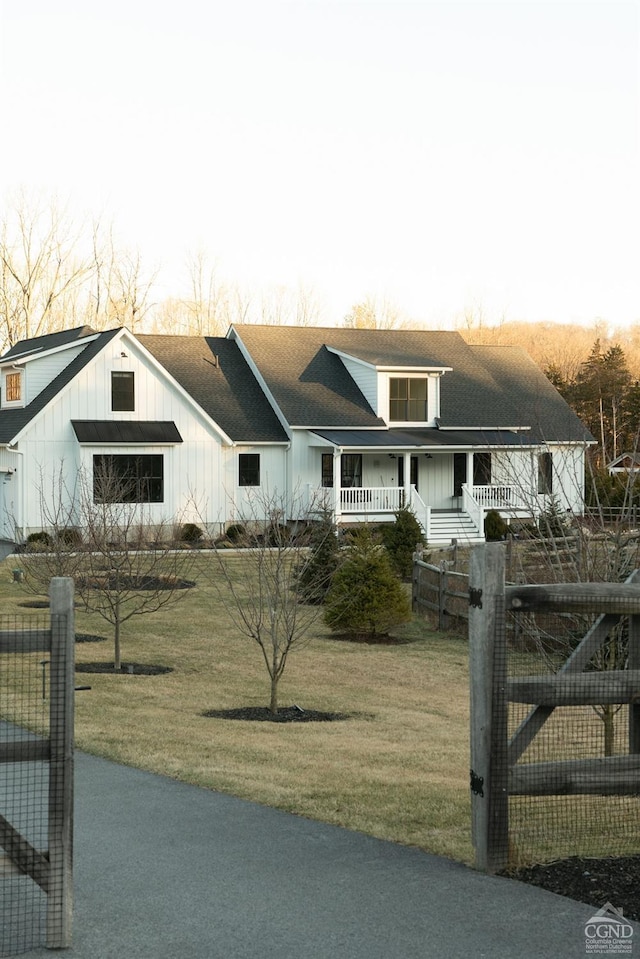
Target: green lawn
(398, 768)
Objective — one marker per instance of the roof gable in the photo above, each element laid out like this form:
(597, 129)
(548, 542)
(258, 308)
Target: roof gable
(14, 421)
(214, 373)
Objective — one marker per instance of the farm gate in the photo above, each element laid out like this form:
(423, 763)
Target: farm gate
(555, 717)
(36, 764)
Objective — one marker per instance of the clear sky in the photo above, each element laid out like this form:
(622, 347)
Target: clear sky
(442, 154)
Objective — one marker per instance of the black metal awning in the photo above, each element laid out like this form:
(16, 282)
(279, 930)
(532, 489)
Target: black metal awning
(126, 432)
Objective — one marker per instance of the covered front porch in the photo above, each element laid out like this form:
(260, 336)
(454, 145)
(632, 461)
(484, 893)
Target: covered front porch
(448, 490)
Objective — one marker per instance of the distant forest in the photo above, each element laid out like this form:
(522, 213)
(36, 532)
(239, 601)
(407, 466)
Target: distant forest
(598, 373)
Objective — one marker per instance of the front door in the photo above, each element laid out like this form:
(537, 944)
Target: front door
(459, 472)
(413, 471)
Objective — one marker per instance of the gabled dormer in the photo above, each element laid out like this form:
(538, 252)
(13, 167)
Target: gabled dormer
(29, 367)
(400, 395)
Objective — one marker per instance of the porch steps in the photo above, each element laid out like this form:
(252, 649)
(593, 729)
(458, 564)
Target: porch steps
(448, 525)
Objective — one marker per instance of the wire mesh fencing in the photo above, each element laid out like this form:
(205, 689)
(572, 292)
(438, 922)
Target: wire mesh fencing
(36, 776)
(575, 784)
(555, 683)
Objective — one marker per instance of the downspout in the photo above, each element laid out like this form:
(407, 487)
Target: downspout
(23, 486)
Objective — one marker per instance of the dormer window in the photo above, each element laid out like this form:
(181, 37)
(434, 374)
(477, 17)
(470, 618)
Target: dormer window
(13, 387)
(122, 391)
(408, 399)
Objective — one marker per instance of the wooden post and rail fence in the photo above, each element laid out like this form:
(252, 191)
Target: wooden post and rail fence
(495, 771)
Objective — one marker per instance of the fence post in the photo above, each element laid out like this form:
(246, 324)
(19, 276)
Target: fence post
(60, 894)
(442, 596)
(488, 681)
(634, 663)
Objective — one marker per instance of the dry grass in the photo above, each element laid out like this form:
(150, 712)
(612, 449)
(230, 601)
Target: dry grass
(396, 769)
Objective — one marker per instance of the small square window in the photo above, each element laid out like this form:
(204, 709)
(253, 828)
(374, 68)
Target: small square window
(122, 391)
(13, 387)
(249, 469)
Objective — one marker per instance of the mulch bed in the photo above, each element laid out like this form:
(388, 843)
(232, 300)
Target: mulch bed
(89, 638)
(286, 714)
(126, 669)
(383, 639)
(592, 881)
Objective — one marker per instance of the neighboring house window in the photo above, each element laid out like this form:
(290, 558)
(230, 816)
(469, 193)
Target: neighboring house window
(545, 473)
(327, 469)
(249, 469)
(408, 400)
(128, 479)
(482, 469)
(351, 470)
(122, 399)
(13, 387)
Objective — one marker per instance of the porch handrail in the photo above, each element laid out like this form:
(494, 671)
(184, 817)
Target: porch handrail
(420, 510)
(472, 507)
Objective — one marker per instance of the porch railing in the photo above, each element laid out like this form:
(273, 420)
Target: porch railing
(371, 499)
(498, 497)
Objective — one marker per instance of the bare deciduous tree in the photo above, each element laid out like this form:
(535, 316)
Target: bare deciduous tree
(100, 532)
(263, 586)
(375, 313)
(42, 269)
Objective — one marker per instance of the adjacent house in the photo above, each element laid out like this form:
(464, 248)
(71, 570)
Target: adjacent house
(627, 464)
(361, 422)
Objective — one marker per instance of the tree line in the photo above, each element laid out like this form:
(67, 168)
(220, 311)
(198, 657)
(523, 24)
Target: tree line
(57, 273)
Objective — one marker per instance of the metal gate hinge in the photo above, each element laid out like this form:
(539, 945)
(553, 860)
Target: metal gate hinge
(475, 598)
(477, 782)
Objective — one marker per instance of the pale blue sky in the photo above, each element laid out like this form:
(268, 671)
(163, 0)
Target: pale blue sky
(440, 154)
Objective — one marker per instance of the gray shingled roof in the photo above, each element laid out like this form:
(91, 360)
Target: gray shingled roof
(488, 388)
(49, 341)
(213, 371)
(13, 421)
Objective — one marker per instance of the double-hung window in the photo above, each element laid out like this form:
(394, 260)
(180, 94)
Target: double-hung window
(408, 399)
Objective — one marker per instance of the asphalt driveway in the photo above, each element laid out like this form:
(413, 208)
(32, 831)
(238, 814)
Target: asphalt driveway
(169, 871)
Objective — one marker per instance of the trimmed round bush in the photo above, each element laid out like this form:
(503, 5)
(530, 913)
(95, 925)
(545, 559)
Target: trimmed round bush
(495, 528)
(190, 533)
(366, 598)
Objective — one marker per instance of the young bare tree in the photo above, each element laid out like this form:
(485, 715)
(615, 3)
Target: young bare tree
(262, 583)
(124, 562)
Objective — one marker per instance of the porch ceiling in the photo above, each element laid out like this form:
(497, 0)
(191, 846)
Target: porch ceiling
(424, 439)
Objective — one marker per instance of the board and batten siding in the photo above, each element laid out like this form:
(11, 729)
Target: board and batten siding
(247, 503)
(192, 469)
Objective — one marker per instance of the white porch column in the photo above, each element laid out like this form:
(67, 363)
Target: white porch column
(406, 473)
(337, 476)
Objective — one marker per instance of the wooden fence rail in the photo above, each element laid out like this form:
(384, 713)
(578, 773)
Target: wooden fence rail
(495, 772)
(440, 590)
